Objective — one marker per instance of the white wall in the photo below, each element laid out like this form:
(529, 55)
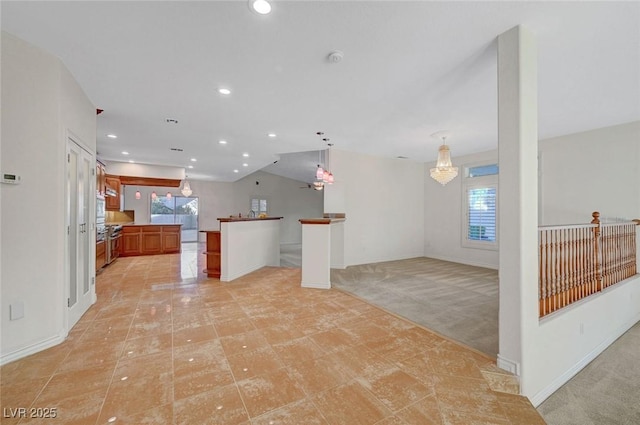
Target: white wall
(40, 103)
(443, 216)
(596, 170)
(384, 204)
(285, 199)
(584, 172)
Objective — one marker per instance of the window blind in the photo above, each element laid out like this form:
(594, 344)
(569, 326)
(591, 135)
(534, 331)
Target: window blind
(481, 214)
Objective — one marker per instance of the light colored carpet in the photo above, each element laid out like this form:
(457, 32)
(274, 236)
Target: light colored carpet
(606, 392)
(456, 300)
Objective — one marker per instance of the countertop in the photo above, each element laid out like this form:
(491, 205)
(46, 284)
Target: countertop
(143, 224)
(233, 219)
(320, 220)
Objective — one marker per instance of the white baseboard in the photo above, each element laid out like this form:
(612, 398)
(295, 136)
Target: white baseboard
(32, 349)
(543, 394)
(508, 365)
(316, 285)
(462, 261)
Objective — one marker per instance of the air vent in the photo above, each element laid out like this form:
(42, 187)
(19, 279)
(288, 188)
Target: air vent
(176, 149)
(171, 121)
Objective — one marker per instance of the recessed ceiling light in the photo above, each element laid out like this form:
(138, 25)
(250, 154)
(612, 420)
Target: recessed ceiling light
(131, 161)
(245, 165)
(223, 142)
(125, 153)
(235, 171)
(246, 155)
(224, 91)
(190, 166)
(271, 134)
(112, 136)
(260, 6)
(193, 160)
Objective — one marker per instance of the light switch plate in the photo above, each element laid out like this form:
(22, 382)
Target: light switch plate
(16, 310)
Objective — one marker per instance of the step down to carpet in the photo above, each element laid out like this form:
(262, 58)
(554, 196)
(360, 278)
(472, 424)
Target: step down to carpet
(500, 380)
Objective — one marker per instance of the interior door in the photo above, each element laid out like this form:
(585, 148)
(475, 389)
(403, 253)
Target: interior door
(80, 232)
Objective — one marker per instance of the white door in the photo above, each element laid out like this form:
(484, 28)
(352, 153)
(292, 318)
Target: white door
(80, 230)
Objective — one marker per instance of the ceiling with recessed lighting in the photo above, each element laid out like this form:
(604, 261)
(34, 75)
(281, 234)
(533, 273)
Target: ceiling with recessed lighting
(159, 70)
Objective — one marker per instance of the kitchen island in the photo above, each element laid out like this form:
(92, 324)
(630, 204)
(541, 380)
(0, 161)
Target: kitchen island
(150, 239)
(248, 244)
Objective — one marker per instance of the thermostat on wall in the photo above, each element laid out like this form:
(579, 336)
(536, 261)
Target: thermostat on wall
(10, 178)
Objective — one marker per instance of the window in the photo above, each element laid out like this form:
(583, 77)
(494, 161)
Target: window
(480, 207)
(259, 206)
(177, 210)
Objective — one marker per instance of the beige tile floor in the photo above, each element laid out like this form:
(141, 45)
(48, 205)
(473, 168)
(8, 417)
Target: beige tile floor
(165, 345)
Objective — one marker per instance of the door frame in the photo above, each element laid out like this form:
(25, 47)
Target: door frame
(70, 137)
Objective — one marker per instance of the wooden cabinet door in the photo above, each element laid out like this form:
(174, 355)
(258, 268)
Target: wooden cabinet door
(151, 243)
(112, 203)
(130, 244)
(101, 183)
(101, 254)
(170, 243)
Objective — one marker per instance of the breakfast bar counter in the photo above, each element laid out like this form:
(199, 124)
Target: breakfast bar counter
(248, 244)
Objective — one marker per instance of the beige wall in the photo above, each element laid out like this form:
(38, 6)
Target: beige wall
(41, 105)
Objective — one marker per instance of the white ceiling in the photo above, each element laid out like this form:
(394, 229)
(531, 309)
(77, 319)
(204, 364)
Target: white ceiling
(409, 69)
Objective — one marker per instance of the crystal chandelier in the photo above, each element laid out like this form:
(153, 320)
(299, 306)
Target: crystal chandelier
(186, 188)
(444, 171)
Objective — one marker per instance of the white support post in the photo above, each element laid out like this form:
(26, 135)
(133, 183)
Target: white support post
(518, 199)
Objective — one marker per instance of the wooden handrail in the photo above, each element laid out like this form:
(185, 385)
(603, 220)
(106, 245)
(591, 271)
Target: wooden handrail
(576, 261)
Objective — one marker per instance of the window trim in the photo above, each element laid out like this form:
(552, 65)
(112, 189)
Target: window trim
(468, 183)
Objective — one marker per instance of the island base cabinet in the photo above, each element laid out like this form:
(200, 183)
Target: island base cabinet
(213, 254)
(171, 241)
(150, 240)
(130, 242)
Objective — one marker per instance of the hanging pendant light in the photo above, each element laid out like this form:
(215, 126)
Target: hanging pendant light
(329, 179)
(154, 195)
(138, 195)
(319, 172)
(318, 185)
(444, 170)
(168, 195)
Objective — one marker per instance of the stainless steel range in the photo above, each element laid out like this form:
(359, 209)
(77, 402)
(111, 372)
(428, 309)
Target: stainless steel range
(113, 242)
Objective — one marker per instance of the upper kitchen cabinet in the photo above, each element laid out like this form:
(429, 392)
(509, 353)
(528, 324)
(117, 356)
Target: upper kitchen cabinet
(101, 182)
(112, 200)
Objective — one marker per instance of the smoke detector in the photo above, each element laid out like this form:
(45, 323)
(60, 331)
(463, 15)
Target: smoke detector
(335, 56)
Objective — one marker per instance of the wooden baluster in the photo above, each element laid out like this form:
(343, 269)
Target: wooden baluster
(547, 266)
(596, 237)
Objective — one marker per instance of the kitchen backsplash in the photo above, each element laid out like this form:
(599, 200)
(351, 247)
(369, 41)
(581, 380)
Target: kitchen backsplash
(127, 216)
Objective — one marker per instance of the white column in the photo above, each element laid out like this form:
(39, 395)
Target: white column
(518, 199)
(316, 255)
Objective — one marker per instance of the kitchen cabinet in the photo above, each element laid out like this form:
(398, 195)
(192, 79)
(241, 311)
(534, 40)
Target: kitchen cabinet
(101, 182)
(150, 239)
(130, 241)
(171, 239)
(112, 202)
(151, 242)
(101, 254)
